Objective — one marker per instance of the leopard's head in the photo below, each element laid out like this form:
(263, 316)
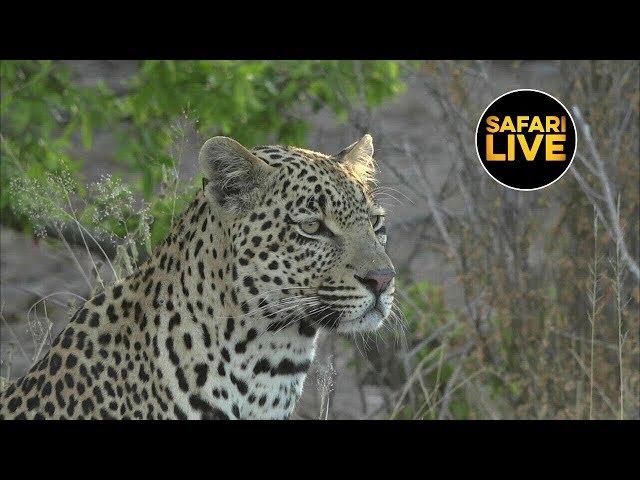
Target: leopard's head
(307, 237)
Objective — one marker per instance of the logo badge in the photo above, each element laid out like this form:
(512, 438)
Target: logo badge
(526, 139)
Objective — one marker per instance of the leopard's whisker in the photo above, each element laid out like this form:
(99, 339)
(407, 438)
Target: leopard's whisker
(284, 289)
(387, 188)
(298, 316)
(279, 302)
(289, 307)
(387, 195)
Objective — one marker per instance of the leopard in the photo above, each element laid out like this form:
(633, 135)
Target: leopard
(221, 321)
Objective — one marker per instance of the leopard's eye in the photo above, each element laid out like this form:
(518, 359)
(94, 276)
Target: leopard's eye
(310, 228)
(376, 221)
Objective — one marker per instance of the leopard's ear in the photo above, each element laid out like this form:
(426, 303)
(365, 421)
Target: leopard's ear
(234, 174)
(358, 158)
(357, 151)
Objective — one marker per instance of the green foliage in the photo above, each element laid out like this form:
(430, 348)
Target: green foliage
(436, 361)
(425, 309)
(254, 102)
(40, 110)
(43, 112)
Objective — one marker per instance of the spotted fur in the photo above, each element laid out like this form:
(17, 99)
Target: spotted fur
(221, 321)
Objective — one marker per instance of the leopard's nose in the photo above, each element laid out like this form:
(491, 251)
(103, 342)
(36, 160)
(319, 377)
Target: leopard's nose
(377, 280)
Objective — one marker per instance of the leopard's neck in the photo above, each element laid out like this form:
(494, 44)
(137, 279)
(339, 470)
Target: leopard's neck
(222, 351)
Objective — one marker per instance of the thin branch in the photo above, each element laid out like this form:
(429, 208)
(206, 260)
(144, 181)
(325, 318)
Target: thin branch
(609, 197)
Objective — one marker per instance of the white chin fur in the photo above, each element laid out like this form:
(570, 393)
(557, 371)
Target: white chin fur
(371, 321)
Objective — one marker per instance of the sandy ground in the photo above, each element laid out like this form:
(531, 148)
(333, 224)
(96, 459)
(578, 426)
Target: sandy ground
(30, 270)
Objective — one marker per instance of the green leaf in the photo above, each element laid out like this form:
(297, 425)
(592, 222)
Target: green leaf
(85, 132)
